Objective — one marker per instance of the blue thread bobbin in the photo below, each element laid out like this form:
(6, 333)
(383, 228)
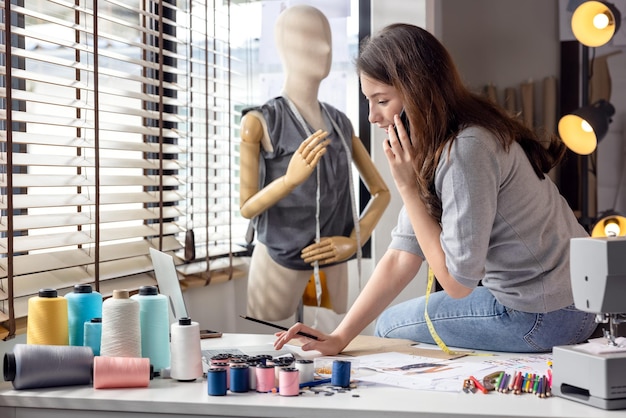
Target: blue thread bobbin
(216, 381)
(239, 378)
(341, 373)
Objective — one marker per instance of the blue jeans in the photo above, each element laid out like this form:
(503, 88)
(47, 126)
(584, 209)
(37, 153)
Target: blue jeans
(480, 322)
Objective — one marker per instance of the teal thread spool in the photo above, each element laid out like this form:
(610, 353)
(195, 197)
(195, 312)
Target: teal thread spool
(93, 335)
(155, 329)
(83, 304)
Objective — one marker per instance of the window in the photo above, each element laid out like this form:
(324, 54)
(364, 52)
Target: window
(117, 134)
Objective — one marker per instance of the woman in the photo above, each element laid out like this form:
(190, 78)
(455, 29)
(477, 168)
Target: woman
(477, 208)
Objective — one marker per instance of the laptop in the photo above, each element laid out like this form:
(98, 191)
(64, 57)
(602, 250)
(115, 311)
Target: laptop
(167, 279)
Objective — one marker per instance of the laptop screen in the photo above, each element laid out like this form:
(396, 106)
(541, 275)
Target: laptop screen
(167, 279)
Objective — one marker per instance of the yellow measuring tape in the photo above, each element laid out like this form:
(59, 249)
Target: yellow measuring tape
(431, 328)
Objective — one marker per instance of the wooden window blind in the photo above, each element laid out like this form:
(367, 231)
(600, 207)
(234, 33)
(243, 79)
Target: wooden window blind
(117, 134)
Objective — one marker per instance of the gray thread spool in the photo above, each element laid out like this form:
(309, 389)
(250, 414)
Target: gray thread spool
(32, 366)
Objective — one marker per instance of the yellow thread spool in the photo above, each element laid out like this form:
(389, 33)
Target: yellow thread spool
(47, 319)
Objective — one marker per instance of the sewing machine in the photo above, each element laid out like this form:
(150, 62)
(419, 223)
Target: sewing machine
(594, 373)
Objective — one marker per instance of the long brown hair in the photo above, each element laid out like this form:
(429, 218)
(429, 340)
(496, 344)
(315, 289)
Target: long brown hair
(439, 105)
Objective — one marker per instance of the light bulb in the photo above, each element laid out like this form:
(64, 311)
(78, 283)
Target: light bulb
(611, 229)
(601, 21)
(585, 126)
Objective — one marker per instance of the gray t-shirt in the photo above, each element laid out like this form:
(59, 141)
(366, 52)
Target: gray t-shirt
(290, 225)
(500, 224)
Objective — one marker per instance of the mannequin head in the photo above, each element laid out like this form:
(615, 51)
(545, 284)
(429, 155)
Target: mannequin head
(304, 42)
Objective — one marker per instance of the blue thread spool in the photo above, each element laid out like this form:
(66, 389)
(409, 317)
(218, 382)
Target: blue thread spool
(83, 304)
(216, 381)
(93, 335)
(155, 329)
(341, 373)
(239, 378)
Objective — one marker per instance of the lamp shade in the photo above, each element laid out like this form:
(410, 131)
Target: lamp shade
(611, 225)
(595, 22)
(582, 129)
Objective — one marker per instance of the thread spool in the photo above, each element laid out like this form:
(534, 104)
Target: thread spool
(92, 331)
(47, 319)
(239, 378)
(289, 382)
(121, 331)
(186, 350)
(121, 372)
(83, 304)
(216, 381)
(226, 366)
(252, 363)
(279, 364)
(32, 366)
(265, 380)
(154, 323)
(306, 368)
(220, 358)
(341, 373)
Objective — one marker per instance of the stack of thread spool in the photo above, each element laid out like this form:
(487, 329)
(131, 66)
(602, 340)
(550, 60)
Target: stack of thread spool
(79, 339)
(269, 375)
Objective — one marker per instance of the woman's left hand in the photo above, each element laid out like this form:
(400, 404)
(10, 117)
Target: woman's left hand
(400, 154)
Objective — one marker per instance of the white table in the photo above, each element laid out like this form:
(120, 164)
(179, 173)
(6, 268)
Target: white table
(166, 398)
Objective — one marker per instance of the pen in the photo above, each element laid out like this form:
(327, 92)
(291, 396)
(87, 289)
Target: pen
(314, 383)
(304, 334)
(304, 385)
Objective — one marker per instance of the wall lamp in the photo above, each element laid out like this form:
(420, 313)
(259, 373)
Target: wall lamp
(612, 224)
(582, 129)
(595, 22)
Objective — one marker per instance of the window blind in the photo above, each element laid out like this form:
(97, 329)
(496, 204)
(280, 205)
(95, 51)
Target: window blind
(117, 134)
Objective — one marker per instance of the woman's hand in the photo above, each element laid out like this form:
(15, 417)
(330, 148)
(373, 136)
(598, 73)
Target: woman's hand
(327, 345)
(329, 250)
(305, 159)
(400, 156)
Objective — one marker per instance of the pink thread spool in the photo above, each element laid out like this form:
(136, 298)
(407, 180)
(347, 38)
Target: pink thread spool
(264, 377)
(289, 382)
(121, 372)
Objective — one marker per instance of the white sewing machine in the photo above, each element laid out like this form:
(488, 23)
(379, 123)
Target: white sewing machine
(595, 372)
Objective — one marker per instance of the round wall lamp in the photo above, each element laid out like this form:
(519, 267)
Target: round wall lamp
(582, 129)
(595, 22)
(612, 224)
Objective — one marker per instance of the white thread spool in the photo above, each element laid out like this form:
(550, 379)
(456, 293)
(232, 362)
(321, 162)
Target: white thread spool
(121, 328)
(186, 350)
(306, 369)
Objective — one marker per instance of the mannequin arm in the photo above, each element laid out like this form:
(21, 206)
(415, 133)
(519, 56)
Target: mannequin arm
(253, 201)
(338, 248)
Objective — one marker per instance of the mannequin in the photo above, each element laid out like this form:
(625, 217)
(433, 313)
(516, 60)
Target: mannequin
(288, 144)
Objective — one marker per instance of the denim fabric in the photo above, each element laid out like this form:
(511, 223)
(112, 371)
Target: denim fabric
(480, 322)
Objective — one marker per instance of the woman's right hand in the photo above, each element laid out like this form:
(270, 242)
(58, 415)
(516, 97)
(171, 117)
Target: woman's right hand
(327, 345)
(305, 159)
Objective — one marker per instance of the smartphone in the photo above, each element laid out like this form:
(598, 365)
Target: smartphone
(207, 333)
(405, 122)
